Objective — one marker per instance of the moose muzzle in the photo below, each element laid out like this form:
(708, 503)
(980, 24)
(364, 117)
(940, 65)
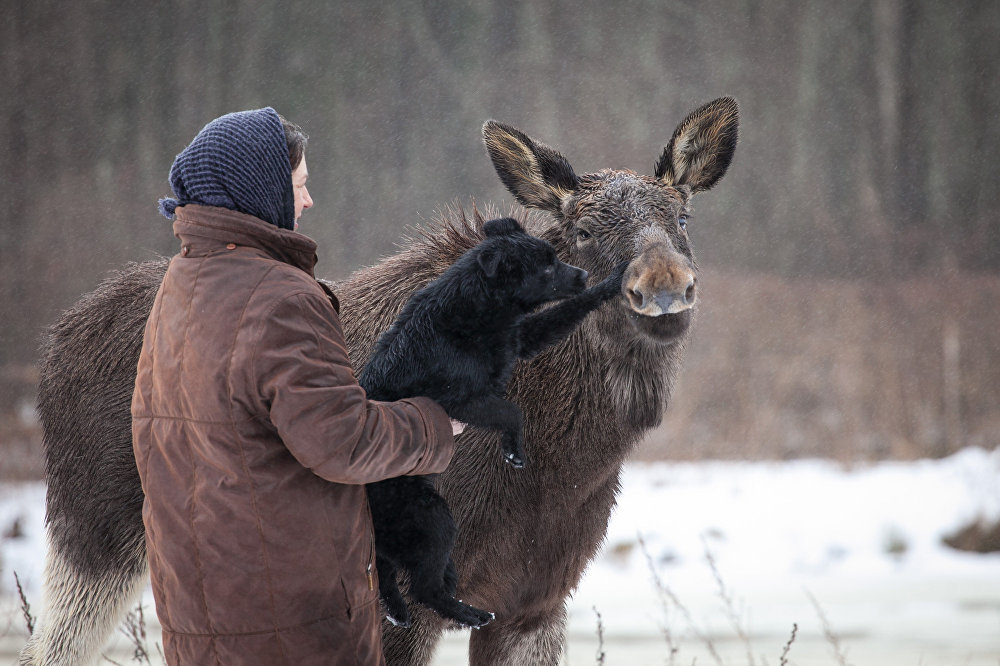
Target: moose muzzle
(660, 280)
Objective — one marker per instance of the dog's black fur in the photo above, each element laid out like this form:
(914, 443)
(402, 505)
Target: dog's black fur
(456, 341)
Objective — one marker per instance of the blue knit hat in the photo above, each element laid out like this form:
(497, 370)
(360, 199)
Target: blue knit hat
(239, 162)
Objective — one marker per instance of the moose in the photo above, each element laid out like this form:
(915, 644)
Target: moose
(586, 401)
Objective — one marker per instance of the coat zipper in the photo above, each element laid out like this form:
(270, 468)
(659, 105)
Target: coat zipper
(371, 563)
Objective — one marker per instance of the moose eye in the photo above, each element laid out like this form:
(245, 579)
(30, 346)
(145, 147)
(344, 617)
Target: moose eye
(582, 234)
(683, 221)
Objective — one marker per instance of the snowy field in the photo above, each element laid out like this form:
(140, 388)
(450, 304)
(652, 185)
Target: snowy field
(853, 557)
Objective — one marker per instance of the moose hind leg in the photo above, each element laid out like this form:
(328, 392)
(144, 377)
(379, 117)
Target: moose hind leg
(80, 610)
(539, 641)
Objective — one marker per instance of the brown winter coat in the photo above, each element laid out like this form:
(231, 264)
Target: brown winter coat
(253, 440)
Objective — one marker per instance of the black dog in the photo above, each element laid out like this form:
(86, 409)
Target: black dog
(456, 341)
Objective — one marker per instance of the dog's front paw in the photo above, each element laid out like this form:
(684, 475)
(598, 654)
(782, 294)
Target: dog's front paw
(513, 453)
(403, 624)
(514, 459)
(612, 285)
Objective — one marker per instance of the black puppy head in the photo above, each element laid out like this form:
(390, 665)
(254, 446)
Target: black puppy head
(525, 268)
(494, 252)
(504, 226)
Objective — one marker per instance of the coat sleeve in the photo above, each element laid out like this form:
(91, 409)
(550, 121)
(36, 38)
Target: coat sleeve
(302, 371)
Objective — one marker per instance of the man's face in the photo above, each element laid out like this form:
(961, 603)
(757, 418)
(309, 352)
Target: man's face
(302, 198)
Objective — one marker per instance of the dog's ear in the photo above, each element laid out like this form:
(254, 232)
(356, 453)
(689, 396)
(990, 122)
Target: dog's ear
(489, 261)
(503, 226)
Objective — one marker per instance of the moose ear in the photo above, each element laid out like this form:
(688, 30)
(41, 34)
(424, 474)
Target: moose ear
(702, 146)
(505, 226)
(489, 261)
(537, 176)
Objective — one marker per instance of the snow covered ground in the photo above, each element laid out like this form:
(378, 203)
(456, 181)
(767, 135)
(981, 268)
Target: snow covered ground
(855, 553)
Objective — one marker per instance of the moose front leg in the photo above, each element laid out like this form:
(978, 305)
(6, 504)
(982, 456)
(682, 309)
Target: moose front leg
(538, 641)
(543, 329)
(496, 413)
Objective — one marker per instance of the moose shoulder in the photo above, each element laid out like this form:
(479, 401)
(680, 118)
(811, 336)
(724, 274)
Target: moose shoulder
(525, 536)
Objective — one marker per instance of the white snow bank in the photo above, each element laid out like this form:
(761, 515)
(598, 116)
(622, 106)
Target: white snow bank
(865, 542)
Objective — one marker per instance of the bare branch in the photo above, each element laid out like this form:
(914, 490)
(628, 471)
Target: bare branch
(600, 637)
(828, 632)
(25, 606)
(788, 645)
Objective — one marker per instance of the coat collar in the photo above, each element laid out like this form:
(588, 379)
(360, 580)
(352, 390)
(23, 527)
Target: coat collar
(203, 230)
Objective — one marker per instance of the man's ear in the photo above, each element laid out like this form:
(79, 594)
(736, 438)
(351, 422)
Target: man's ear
(489, 261)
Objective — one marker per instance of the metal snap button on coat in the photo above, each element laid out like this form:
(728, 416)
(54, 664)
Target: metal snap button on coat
(231, 246)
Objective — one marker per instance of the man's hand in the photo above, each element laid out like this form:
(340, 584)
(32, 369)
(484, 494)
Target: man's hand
(457, 427)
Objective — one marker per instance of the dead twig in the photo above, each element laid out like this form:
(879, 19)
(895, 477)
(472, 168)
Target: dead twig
(600, 637)
(788, 645)
(25, 606)
(832, 638)
(735, 616)
(134, 628)
(668, 598)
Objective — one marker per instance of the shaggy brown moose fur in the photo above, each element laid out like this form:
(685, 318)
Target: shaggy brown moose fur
(525, 536)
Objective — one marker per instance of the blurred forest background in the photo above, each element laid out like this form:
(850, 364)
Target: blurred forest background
(850, 259)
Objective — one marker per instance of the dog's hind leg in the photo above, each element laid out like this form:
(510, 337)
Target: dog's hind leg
(81, 610)
(450, 578)
(388, 591)
(429, 587)
(414, 646)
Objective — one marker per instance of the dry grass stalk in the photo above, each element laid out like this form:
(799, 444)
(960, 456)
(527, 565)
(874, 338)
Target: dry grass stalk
(735, 616)
(25, 606)
(134, 628)
(600, 637)
(668, 599)
(831, 637)
(788, 645)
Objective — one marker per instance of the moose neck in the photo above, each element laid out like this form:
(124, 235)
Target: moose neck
(600, 393)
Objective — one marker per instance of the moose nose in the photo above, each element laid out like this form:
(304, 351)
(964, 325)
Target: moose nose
(646, 299)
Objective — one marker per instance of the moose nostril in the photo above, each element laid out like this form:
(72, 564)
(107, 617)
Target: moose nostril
(635, 298)
(689, 293)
